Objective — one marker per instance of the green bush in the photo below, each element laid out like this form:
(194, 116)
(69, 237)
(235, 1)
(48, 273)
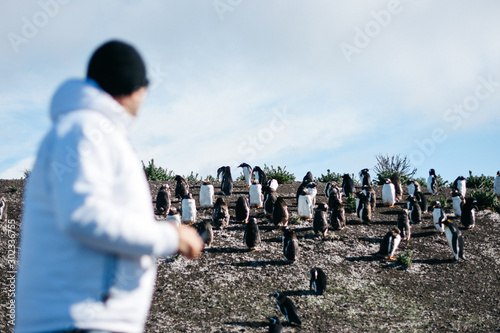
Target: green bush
(477, 182)
(405, 259)
(280, 174)
(442, 199)
(157, 173)
(330, 177)
(486, 199)
(241, 177)
(422, 181)
(350, 204)
(388, 165)
(192, 177)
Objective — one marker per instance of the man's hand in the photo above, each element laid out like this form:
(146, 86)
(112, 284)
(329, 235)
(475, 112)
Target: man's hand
(190, 242)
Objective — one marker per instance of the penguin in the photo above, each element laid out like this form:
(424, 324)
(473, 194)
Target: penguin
(255, 194)
(370, 194)
(207, 195)
(317, 281)
(206, 232)
(173, 217)
(290, 245)
(390, 244)
(275, 325)
(422, 201)
(412, 186)
(455, 239)
(270, 197)
(273, 183)
(252, 234)
(403, 224)
(332, 188)
(364, 210)
(287, 308)
(163, 200)
(3, 209)
(242, 210)
(320, 221)
(388, 194)
(415, 210)
(308, 178)
(247, 173)
(365, 178)
(181, 188)
(348, 185)
(397, 186)
(458, 201)
(337, 215)
(305, 205)
(259, 175)
(226, 185)
(334, 197)
(280, 212)
(301, 187)
(460, 185)
(188, 209)
(438, 216)
(432, 182)
(312, 188)
(220, 216)
(496, 185)
(468, 217)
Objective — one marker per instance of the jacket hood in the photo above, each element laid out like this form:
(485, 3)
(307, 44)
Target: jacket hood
(77, 94)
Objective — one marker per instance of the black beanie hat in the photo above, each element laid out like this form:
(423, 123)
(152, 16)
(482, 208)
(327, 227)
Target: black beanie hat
(117, 68)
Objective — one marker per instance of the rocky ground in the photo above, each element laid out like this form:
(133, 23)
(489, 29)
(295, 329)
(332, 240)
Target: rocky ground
(227, 289)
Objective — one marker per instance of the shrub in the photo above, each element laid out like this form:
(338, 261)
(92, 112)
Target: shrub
(422, 181)
(405, 259)
(330, 177)
(350, 204)
(241, 177)
(192, 177)
(442, 199)
(388, 165)
(157, 173)
(210, 178)
(483, 182)
(280, 174)
(486, 199)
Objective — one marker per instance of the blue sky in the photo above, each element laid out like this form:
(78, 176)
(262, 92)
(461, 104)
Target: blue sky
(310, 85)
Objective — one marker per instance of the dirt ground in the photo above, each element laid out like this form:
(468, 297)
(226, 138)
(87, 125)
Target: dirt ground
(227, 289)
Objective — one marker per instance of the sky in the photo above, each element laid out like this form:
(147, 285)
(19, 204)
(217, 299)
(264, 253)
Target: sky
(307, 85)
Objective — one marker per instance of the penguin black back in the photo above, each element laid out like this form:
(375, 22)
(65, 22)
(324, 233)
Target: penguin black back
(404, 224)
(290, 245)
(227, 180)
(468, 217)
(242, 210)
(365, 177)
(397, 186)
(308, 178)
(270, 197)
(320, 221)
(348, 185)
(220, 214)
(163, 200)
(287, 308)
(259, 175)
(317, 281)
(206, 232)
(252, 234)
(181, 188)
(280, 212)
(337, 216)
(275, 325)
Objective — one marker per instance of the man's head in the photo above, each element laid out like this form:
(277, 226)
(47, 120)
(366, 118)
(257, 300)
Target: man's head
(119, 70)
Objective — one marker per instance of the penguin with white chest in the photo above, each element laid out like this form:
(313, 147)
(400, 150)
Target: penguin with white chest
(255, 194)
(370, 194)
(468, 217)
(337, 215)
(188, 209)
(273, 183)
(247, 173)
(458, 201)
(388, 194)
(320, 221)
(173, 217)
(162, 200)
(432, 182)
(312, 188)
(252, 235)
(390, 244)
(496, 185)
(317, 281)
(259, 175)
(455, 240)
(305, 205)
(207, 195)
(226, 185)
(220, 216)
(287, 308)
(365, 178)
(460, 185)
(290, 245)
(412, 186)
(415, 210)
(242, 210)
(438, 217)
(364, 210)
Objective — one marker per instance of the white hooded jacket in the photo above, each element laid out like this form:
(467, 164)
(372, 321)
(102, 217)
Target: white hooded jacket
(89, 238)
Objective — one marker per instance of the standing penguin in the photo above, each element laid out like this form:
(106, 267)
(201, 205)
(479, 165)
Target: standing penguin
(207, 195)
(280, 212)
(255, 194)
(332, 188)
(252, 234)
(206, 232)
(181, 188)
(404, 224)
(413, 186)
(173, 217)
(162, 200)
(287, 308)
(364, 210)
(388, 194)
(275, 325)
(305, 205)
(270, 197)
(397, 186)
(432, 182)
(247, 173)
(390, 244)
(370, 194)
(337, 215)
(455, 239)
(468, 217)
(458, 202)
(460, 185)
(226, 185)
(422, 201)
(242, 210)
(317, 281)
(188, 209)
(273, 183)
(438, 216)
(290, 245)
(312, 188)
(415, 210)
(365, 178)
(308, 178)
(220, 216)
(348, 185)
(320, 221)
(259, 175)
(496, 185)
